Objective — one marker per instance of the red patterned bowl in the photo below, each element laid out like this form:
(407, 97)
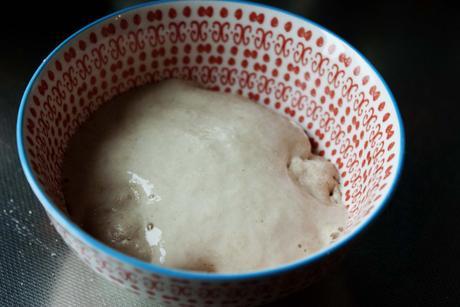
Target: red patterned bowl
(280, 60)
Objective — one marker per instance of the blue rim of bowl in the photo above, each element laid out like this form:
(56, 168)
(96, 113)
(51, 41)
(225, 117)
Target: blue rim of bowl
(75, 230)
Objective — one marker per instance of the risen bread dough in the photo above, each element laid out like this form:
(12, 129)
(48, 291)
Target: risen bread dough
(197, 180)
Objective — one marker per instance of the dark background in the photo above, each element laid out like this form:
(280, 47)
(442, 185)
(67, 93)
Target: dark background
(410, 255)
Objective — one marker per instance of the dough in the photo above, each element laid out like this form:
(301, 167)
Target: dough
(198, 180)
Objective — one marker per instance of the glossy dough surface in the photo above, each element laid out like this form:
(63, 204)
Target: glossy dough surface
(198, 180)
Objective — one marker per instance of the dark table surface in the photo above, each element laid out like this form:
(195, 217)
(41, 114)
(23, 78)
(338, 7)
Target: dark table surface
(409, 256)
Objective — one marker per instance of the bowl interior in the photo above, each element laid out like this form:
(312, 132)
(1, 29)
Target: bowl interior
(276, 59)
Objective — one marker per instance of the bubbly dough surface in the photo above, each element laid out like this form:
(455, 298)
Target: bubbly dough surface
(198, 180)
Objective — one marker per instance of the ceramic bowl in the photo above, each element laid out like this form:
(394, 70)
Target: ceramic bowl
(282, 61)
